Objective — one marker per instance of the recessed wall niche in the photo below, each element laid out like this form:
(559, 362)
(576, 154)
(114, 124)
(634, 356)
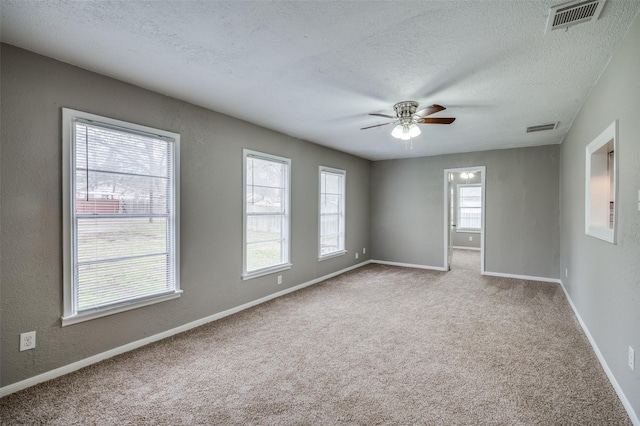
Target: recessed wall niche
(601, 186)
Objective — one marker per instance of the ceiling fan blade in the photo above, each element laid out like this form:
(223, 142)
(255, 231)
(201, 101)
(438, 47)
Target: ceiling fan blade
(431, 110)
(384, 115)
(378, 125)
(436, 120)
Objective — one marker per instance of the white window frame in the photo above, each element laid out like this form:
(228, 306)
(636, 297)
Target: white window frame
(286, 264)
(460, 228)
(71, 314)
(342, 213)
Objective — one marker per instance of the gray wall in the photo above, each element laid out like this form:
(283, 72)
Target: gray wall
(603, 279)
(459, 238)
(522, 209)
(34, 89)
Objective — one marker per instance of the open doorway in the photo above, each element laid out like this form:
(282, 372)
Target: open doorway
(464, 216)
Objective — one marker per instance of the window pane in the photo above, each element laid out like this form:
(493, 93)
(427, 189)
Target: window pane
(264, 228)
(107, 283)
(263, 255)
(330, 203)
(470, 196)
(265, 200)
(108, 238)
(333, 183)
(330, 225)
(329, 244)
(125, 194)
(120, 152)
(470, 218)
(262, 172)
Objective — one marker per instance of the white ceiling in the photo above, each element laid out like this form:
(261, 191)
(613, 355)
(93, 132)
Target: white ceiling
(315, 69)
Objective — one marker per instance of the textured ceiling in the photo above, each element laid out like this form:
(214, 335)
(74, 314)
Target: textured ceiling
(315, 69)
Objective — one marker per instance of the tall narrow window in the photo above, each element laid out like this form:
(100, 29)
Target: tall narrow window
(121, 216)
(266, 214)
(469, 207)
(332, 212)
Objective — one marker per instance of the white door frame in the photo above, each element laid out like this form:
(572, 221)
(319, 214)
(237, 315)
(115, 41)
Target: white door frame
(483, 176)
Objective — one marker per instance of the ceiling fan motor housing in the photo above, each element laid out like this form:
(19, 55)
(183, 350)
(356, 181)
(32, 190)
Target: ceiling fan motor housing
(405, 110)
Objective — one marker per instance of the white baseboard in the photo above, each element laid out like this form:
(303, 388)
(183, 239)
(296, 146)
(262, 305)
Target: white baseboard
(409, 265)
(623, 398)
(466, 248)
(52, 374)
(523, 277)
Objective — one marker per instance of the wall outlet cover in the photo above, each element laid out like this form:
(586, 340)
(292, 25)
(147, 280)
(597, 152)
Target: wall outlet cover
(27, 341)
(632, 359)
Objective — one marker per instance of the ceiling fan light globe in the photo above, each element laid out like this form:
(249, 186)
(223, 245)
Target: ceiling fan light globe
(397, 131)
(414, 130)
(464, 175)
(405, 136)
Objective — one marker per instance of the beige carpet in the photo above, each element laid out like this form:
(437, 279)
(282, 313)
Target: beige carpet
(378, 345)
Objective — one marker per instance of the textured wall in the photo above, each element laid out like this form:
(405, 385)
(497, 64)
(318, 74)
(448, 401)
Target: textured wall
(604, 279)
(522, 209)
(34, 89)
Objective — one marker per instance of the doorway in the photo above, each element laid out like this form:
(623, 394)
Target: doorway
(464, 215)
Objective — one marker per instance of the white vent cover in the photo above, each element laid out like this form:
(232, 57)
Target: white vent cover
(572, 13)
(541, 127)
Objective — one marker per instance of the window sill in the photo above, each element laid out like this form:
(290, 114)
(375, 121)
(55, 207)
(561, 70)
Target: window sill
(77, 318)
(469, 231)
(604, 234)
(263, 272)
(332, 255)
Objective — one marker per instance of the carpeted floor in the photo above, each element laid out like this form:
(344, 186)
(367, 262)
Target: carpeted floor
(378, 345)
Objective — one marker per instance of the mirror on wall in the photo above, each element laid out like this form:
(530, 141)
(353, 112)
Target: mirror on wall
(600, 185)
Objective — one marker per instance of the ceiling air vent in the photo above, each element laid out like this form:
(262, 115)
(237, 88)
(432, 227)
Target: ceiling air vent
(572, 13)
(541, 127)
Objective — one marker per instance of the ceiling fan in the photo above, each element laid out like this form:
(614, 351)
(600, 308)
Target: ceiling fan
(408, 119)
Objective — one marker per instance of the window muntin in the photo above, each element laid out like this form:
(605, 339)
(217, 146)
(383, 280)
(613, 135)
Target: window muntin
(469, 207)
(332, 212)
(266, 214)
(121, 215)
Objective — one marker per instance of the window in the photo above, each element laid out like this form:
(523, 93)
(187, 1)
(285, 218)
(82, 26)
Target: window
(266, 214)
(469, 207)
(120, 216)
(332, 217)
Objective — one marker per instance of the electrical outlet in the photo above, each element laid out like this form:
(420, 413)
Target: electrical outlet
(364, 250)
(27, 341)
(470, 238)
(632, 359)
(356, 255)
(566, 272)
(279, 279)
